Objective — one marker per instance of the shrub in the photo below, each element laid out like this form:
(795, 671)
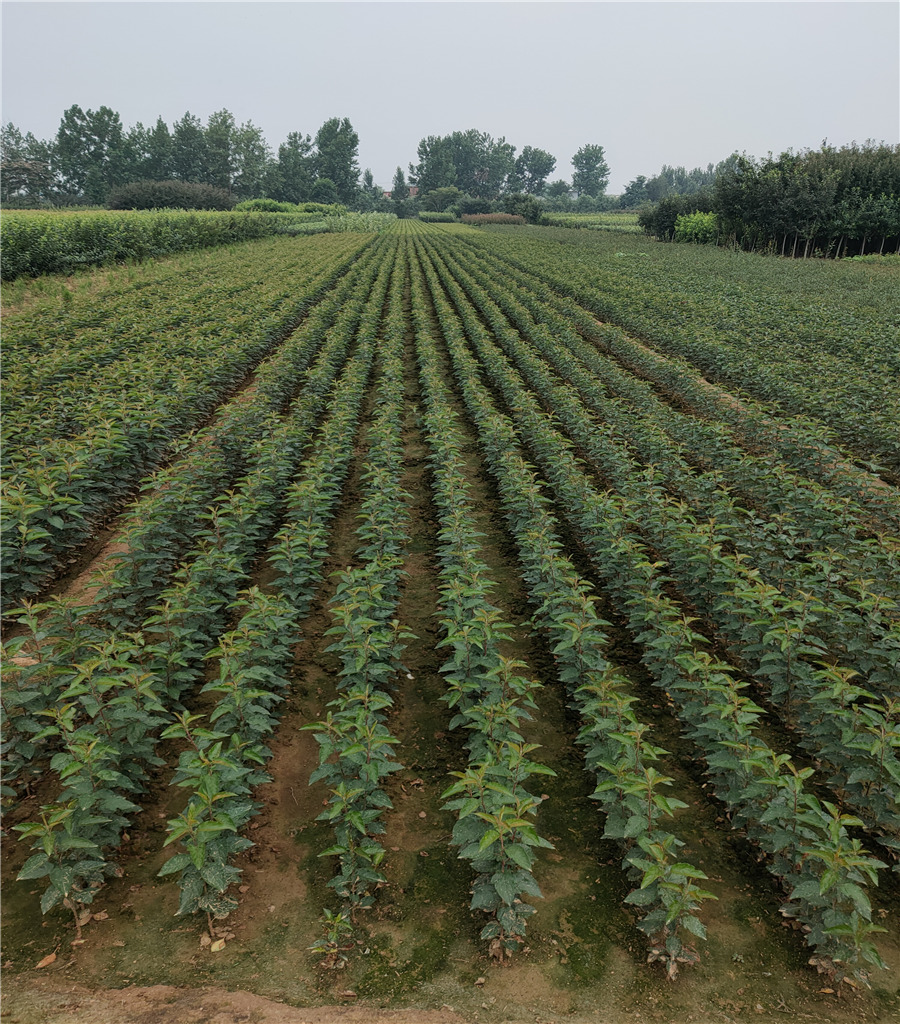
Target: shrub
(492, 218)
(169, 195)
(437, 217)
(471, 204)
(266, 206)
(659, 220)
(700, 228)
(523, 205)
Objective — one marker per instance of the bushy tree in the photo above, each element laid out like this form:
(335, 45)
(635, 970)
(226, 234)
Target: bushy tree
(337, 149)
(635, 193)
(189, 154)
(523, 205)
(325, 191)
(296, 167)
(439, 199)
(591, 174)
(532, 169)
(90, 154)
(472, 161)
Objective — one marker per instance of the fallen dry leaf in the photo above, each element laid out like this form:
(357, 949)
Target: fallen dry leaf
(102, 916)
(48, 959)
(217, 946)
(205, 940)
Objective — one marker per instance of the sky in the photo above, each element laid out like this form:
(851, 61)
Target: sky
(653, 83)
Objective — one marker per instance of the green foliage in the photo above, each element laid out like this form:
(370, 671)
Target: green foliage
(829, 201)
(439, 199)
(591, 171)
(526, 206)
(435, 217)
(479, 219)
(169, 195)
(366, 222)
(337, 146)
(56, 243)
(660, 220)
(700, 228)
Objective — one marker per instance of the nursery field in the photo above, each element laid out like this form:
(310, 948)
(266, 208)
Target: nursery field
(453, 624)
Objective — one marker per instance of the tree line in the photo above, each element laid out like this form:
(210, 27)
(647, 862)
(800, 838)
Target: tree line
(93, 154)
(832, 202)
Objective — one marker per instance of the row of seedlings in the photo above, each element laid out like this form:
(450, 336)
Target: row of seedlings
(801, 443)
(161, 526)
(844, 726)
(356, 753)
(223, 764)
(802, 519)
(70, 351)
(159, 529)
(619, 752)
(491, 697)
(194, 610)
(806, 841)
(629, 298)
(56, 493)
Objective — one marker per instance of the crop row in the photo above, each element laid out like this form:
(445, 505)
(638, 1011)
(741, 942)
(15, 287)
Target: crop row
(851, 730)
(814, 344)
(356, 747)
(176, 640)
(58, 490)
(806, 842)
(618, 750)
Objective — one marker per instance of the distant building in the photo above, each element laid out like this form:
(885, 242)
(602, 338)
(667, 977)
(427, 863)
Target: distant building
(413, 192)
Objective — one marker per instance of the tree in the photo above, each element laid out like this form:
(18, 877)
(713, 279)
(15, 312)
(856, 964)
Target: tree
(189, 156)
(159, 152)
(635, 193)
(532, 168)
(90, 152)
(558, 189)
(296, 165)
(523, 205)
(472, 161)
(337, 146)
(439, 199)
(25, 171)
(250, 158)
(324, 190)
(369, 193)
(399, 192)
(220, 143)
(591, 171)
(435, 168)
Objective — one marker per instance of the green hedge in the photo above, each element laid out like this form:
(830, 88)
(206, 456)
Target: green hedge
(169, 195)
(701, 228)
(34, 243)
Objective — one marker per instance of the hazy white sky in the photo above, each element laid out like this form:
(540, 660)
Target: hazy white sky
(654, 83)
